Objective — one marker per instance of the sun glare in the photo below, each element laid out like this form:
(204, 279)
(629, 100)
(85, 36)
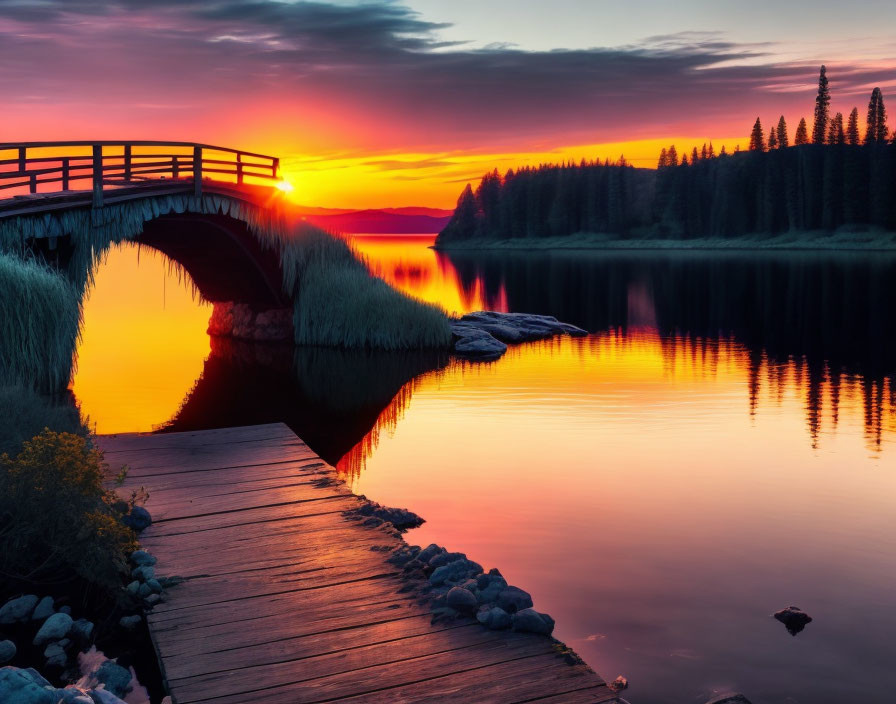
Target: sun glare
(285, 186)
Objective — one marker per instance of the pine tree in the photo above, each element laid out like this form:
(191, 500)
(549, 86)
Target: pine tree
(672, 156)
(464, 223)
(723, 152)
(835, 131)
(684, 160)
(772, 139)
(877, 119)
(712, 152)
(822, 101)
(757, 138)
(694, 155)
(783, 140)
(704, 154)
(663, 158)
(852, 128)
(802, 133)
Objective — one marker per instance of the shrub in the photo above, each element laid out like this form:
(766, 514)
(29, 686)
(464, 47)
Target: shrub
(40, 320)
(57, 522)
(339, 303)
(25, 413)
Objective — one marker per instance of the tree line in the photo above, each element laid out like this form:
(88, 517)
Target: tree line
(821, 181)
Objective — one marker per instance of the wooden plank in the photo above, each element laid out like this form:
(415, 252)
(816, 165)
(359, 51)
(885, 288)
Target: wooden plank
(287, 599)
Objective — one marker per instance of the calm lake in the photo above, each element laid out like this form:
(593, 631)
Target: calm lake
(723, 445)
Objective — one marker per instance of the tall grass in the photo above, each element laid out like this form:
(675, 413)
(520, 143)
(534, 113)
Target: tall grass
(40, 319)
(339, 303)
(26, 413)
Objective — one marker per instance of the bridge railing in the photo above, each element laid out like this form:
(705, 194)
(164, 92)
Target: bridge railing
(56, 167)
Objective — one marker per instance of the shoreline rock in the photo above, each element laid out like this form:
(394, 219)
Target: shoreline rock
(793, 618)
(484, 335)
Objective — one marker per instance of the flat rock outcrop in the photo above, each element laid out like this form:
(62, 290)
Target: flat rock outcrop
(484, 335)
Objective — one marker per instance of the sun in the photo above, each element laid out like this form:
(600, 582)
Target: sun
(285, 186)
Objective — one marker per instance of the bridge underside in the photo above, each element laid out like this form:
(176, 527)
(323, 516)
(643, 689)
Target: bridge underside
(222, 256)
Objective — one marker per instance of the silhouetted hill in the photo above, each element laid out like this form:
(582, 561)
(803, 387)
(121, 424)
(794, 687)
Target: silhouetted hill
(409, 220)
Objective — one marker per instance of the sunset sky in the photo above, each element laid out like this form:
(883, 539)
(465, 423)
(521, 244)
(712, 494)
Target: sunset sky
(398, 103)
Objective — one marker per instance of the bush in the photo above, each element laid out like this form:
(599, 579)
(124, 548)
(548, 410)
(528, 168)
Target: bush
(25, 413)
(339, 303)
(57, 522)
(40, 320)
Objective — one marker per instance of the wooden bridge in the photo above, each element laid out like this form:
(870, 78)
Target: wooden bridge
(288, 600)
(43, 176)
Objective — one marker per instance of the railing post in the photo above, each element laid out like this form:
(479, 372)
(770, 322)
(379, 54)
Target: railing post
(32, 183)
(97, 176)
(197, 171)
(175, 167)
(23, 161)
(275, 167)
(65, 174)
(127, 162)
(239, 169)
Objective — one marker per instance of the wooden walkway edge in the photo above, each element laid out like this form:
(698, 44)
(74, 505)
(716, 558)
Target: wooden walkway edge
(286, 600)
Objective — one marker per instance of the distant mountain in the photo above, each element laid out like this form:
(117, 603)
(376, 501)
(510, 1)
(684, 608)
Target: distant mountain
(399, 221)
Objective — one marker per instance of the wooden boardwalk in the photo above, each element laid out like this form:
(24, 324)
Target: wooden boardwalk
(287, 600)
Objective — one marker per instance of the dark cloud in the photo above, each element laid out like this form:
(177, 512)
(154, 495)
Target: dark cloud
(381, 64)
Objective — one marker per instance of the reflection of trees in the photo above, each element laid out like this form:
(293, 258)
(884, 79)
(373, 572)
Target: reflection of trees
(824, 319)
(331, 398)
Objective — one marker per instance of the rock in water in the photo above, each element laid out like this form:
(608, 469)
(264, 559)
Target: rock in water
(56, 627)
(513, 599)
(18, 610)
(793, 618)
(7, 651)
(531, 621)
(729, 698)
(618, 684)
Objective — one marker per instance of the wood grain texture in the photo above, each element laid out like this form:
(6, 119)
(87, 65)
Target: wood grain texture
(287, 600)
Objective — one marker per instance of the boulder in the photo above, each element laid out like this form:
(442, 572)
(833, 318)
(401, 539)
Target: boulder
(427, 553)
(7, 651)
(793, 618)
(490, 585)
(152, 600)
(454, 572)
(73, 695)
(494, 618)
(56, 627)
(513, 599)
(443, 558)
(53, 649)
(133, 587)
(137, 519)
(462, 599)
(531, 621)
(18, 610)
(104, 696)
(155, 585)
(141, 558)
(43, 610)
(401, 518)
(20, 687)
(116, 678)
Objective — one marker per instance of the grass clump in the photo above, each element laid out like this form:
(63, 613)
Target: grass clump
(339, 303)
(57, 522)
(40, 322)
(25, 413)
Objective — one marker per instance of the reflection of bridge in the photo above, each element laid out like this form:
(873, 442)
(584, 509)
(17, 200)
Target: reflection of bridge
(199, 204)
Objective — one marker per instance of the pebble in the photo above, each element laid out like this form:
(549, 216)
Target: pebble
(154, 585)
(531, 621)
(18, 610)
(443, 558)
(7, 651)
(618, 684)
(133, 587)
(455, 572)
(43, 610)
(462, 599)
(144, 573)
(152, 600)
(513, 599)
(129, 623)
(55, 627)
